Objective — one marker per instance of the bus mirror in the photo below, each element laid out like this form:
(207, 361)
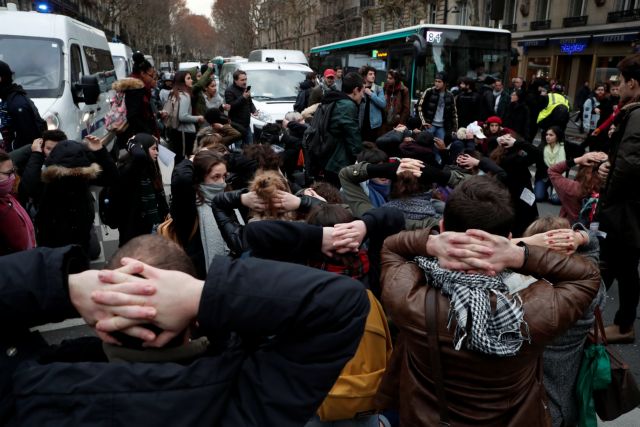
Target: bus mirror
(419, 45)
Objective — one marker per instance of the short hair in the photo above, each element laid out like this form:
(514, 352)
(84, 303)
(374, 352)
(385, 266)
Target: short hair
(630, 67)
(480, 202)
(546, 223)
(327, 191)
(406, 185)
(215, 145)
(328, 215)
(54, 135)
(209, 139)
(156, 251)
(352, 81)
(372, 154)
(237, 73)
(364, 70)
(263, 155)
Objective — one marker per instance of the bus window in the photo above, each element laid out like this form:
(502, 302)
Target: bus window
(402, 62)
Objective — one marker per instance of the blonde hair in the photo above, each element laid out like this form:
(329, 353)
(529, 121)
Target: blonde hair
(546, 223)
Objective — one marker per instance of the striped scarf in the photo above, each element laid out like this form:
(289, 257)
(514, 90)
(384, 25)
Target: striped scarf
(495, 333)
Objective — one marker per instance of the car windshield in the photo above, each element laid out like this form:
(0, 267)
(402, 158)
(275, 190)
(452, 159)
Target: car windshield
(275, 84)
(36, 64)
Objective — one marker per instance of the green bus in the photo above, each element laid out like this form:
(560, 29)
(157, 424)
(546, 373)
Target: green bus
(420, 51)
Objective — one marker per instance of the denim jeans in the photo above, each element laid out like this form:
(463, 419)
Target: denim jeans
(437, 132)
(541, 189)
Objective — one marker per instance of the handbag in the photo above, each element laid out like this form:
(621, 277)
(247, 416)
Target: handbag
(622, 394)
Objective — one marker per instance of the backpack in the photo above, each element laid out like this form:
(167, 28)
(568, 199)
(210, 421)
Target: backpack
(116, 118)
(172, 108)
(316, 143)
(588, 209)
(353, 392)
(108, 206)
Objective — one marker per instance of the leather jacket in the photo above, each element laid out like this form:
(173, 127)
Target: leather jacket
(480, 389)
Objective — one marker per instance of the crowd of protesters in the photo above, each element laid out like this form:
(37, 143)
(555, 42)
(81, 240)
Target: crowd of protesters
(261, 290)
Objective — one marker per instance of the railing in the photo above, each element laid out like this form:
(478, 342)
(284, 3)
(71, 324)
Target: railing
(623, 16)
(540, 25)
(510, 27)
(575, 21)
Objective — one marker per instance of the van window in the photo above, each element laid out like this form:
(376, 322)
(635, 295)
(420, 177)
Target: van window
(76, 64)
(36, 62)
(101, 65)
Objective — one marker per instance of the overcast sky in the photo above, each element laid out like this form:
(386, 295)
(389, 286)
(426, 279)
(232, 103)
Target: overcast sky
(200, 7)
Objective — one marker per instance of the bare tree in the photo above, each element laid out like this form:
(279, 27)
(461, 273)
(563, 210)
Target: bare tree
(236, 31)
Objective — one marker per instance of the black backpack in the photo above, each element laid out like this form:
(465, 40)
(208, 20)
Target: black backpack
(316, 143)
(108, 206)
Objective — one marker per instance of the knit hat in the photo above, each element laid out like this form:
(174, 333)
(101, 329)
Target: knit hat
(5, 72)
(441, 76)
(494, 119)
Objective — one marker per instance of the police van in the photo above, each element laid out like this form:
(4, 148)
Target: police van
(122, 56)
(64, 65)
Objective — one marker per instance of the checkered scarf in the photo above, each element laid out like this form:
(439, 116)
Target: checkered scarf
(497, 333)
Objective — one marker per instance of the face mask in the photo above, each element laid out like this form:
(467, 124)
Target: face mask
(7, 186)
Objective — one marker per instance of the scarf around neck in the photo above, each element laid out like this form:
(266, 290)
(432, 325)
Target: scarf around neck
(212, 242)
(416, 207)
(378, 193)
(496, 332)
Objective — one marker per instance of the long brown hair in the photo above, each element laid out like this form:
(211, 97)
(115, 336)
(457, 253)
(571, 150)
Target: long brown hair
(266, 184)
(588, 179)
(203, 162)
(179, 85)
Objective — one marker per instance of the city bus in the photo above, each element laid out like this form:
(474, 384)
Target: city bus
(419, 52)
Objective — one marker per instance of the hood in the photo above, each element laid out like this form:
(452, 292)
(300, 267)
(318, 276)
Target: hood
(275, 109)
(56, 172)
(333, 96)
(127, 83)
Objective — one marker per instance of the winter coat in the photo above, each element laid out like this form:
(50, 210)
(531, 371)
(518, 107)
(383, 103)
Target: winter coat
(376, 108)
(490, 100)
(16, 230)
(468, 106)
(398, 106)
(241, 108)
(198, 102)
(18, 123)
(140, 116)
(343, 132)
(428, 105)
(619, 205)
(517, 118)
(66, 207)
(481, 390)
(294, 332)
(132, 220)
(186, 118)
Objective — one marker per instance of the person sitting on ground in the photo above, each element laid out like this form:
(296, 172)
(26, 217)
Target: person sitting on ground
(390, 141)
(220, 124)
(562, 358)
(572, 192)
(310, 330)
(444, 370)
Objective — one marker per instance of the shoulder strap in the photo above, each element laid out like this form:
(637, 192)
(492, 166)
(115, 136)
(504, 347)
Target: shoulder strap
(599, 327)
(431, 314)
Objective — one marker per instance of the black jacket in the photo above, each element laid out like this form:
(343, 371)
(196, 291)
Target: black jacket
(24, 126)
(308, 323)
(468, 106)
(517, 118)
(428, 105)
(241, 107)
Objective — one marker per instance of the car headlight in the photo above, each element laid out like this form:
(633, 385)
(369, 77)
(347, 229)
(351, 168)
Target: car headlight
(263, 116)
(53, 121)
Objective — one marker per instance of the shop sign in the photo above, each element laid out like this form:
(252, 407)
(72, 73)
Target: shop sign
(533, 43)
(571, 48)
(616, 38)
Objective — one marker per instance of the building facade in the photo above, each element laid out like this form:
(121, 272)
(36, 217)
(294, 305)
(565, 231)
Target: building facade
(573, 41)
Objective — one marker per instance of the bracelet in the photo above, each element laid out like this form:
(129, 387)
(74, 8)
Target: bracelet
(526, 252)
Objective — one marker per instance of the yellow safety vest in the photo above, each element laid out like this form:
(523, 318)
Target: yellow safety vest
(555, 99)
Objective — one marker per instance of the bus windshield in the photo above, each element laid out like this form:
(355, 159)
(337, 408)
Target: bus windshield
(36, 64)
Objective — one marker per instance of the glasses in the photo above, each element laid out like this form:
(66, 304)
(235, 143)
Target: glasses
(9, 172)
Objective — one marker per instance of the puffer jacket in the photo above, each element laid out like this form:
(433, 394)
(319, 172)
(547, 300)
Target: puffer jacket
(428, 105)
(480, 389)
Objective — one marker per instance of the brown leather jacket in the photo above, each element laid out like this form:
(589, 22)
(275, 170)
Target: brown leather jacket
(481, 390)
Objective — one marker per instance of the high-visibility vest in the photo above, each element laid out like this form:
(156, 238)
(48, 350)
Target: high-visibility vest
(555, 99)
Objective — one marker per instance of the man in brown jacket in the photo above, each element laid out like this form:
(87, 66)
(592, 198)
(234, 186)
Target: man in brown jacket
(490, 326)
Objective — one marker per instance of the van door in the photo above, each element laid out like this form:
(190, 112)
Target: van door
(71, 114)
(100, 65)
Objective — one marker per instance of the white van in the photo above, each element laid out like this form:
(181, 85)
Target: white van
(278, 55)
(122, 56)
(64, 65)
(185, 66)
(274, 87)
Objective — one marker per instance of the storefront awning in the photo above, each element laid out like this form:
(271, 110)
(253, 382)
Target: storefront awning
(570, 40)
(616, 37)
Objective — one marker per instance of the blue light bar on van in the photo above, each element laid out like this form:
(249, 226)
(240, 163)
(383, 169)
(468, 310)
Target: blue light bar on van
(43, 7)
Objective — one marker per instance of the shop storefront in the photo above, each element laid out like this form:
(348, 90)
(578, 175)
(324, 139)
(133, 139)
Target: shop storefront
(575, 59)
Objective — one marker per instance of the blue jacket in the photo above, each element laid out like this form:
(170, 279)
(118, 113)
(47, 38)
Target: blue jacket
(378, 104)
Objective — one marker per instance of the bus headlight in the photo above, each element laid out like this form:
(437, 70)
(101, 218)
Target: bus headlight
(53, 121)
